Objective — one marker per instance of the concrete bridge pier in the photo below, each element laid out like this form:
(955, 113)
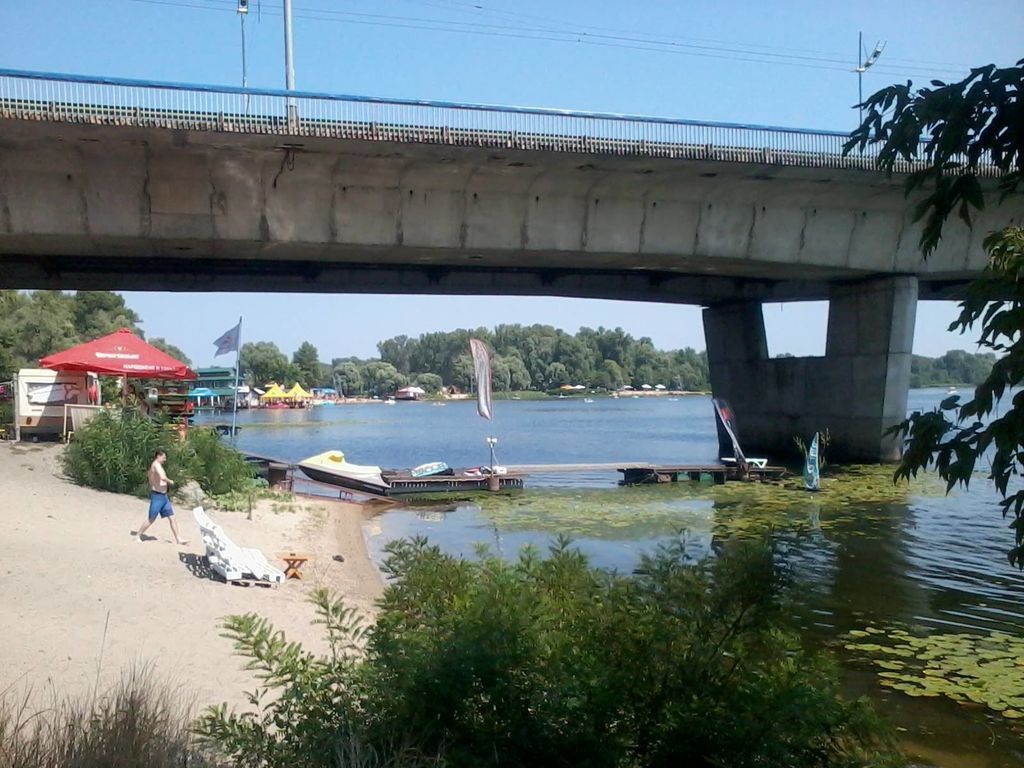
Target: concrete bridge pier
(856, 391)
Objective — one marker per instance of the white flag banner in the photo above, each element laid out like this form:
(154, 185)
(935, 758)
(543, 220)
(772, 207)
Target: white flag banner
(228, 341)
(482, 371)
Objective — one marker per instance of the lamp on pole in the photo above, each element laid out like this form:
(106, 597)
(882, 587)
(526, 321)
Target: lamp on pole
(289, 62)
(243, 11)
(865, 62)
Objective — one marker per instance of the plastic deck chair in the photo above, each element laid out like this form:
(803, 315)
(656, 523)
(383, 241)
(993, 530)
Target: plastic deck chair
(232, 562)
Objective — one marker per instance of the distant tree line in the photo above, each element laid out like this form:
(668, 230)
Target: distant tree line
(535, 357)
(954, 367)
(38, 323)
(525, 357)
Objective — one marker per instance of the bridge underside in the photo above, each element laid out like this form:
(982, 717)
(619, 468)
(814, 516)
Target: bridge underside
(130, 208)
(120, 207)
(180, 273)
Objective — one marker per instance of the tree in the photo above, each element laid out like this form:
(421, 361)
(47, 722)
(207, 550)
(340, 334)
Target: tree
(165, 346)
(97, 313)
(349, 377)
(430, 382)
(307, 360)
(382, 378)
(263, 362)
(974, 122)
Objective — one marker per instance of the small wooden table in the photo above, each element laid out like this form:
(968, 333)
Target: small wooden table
(293, 564)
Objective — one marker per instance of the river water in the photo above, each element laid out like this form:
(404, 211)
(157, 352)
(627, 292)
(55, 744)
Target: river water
(865, 554)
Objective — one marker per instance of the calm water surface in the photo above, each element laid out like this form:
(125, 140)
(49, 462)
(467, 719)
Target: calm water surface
(863, 553)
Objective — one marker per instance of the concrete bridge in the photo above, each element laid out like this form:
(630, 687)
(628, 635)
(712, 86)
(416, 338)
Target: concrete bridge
(118, 184)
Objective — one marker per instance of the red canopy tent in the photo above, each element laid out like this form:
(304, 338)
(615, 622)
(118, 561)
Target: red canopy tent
(121, 353)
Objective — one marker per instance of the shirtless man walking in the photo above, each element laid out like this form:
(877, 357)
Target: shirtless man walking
(159, 501)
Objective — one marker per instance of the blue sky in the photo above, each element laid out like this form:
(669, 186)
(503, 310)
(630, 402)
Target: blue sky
(785, 63)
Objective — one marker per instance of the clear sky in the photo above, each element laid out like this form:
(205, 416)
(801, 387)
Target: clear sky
(785, 63)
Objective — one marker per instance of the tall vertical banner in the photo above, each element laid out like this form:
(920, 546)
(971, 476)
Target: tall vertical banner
(812, 470)
(482, 371)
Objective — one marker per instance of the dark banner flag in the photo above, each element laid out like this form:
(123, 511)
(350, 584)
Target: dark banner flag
(482, 371)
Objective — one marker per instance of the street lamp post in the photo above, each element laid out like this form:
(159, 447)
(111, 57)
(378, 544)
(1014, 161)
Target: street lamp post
(289, 64)
(865, 62)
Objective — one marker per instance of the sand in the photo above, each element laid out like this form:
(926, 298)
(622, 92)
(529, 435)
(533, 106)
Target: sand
(70, 568)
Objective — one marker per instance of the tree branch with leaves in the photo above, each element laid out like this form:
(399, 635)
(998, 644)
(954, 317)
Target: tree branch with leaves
(956, 133)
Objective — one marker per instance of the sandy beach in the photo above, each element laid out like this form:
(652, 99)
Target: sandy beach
(70, 567)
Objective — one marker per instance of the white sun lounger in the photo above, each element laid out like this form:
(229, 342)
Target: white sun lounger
(228, 559)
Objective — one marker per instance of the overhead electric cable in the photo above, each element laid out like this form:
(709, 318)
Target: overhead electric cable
(576, 37)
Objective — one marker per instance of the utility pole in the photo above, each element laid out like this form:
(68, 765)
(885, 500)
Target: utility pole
(864, 63)
(289, 64)
(243, 11)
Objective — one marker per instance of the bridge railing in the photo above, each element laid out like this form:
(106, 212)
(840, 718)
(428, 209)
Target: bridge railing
(115, 101)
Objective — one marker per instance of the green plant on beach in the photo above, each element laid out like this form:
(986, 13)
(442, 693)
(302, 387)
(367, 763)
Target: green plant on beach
(215, 465)
(548, 661)
(138, 723)
(114, 450)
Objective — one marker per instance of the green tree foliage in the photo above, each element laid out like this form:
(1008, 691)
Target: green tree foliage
(547, 661)
(165, 346)
(543, 357)
(97, 313)
(974, 122)
(307, 360)
(262, 362)
(955, 367)
(381, 379)
(348, 375)
(39, 323)
(956, 127)
(429, 382)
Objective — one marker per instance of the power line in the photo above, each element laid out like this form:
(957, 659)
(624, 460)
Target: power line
(576, 37)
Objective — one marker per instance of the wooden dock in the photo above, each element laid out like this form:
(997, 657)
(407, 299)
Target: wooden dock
(633, 473)
(643, 472)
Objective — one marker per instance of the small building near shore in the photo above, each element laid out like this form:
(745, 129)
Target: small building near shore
(219, 381)
(410, 393)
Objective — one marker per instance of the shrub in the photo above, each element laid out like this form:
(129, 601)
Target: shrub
(137, 724)
(552, 662)
(216, 466)
(114, 450)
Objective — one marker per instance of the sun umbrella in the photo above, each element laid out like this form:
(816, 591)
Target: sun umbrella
(121, 353)
(202, 392)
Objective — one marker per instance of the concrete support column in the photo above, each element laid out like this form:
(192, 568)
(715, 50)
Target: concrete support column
(856, 391)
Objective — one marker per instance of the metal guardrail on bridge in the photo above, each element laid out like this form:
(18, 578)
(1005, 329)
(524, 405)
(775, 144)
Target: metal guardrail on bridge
(121, 102)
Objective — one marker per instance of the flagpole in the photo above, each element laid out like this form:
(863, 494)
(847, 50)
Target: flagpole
(238, 371)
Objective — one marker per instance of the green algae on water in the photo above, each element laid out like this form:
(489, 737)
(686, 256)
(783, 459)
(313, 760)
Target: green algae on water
(848, 495)
(986, 670)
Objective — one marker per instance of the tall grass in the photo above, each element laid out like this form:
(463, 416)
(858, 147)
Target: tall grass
(137, 723)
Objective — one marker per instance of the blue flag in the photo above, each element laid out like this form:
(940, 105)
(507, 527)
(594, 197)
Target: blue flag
(228, 341)
(812, 474)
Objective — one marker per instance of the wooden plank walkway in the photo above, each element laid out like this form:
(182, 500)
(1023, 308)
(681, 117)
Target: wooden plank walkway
(633, 473)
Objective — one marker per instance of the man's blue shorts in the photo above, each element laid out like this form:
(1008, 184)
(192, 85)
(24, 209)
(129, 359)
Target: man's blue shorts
(159, 504)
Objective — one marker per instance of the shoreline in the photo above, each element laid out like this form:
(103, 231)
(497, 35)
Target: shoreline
(87, 603)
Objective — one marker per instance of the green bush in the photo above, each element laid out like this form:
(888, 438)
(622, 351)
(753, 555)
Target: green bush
(114, 450)
(137, 724)
(547, 661)
(215, 465)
